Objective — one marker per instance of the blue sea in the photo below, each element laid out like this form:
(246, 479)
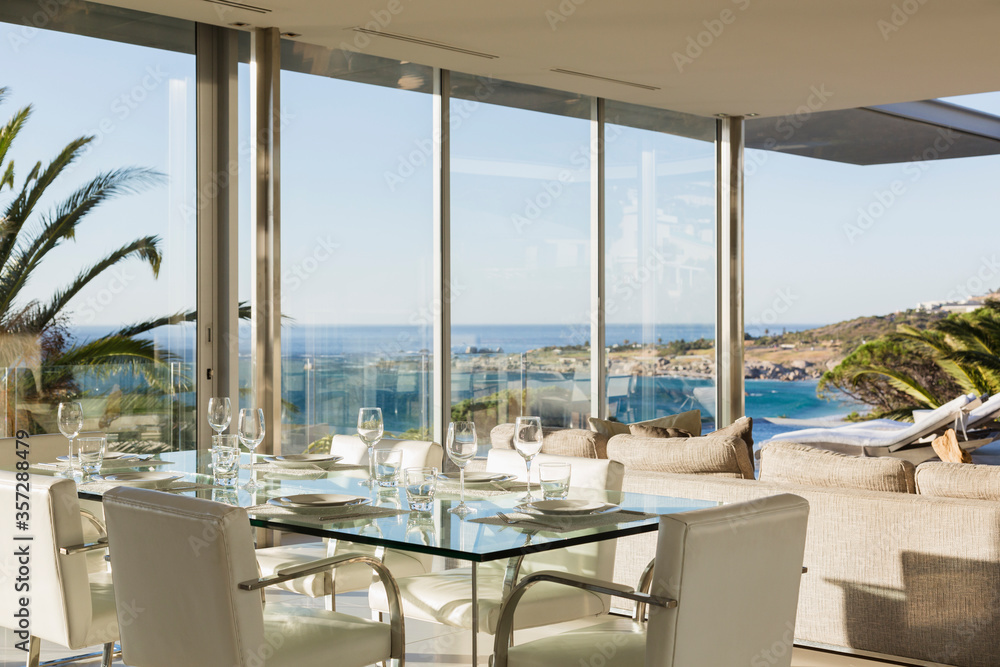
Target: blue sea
(327, 371)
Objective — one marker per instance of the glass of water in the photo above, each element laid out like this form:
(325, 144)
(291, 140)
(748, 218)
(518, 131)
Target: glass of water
(554, 478)
(420, 484)
(387, 465)
(225, 458)
(90, 451)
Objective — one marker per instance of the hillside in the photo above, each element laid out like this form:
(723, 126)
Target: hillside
(847, 336)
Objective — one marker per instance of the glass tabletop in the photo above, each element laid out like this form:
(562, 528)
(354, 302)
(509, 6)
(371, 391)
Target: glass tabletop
(438, 531)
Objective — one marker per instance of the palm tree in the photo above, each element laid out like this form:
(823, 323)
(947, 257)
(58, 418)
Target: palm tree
(32, 332)
(924, 368)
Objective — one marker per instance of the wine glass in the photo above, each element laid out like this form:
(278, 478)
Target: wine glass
(70, 425)
(220, 413)
(250, 429)
(370, 429)
(462, 445)
(528, 442)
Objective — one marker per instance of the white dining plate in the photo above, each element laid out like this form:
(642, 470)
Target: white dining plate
(108, 456)
(302, 460)
(145, 480)
(569, 507)
(313, 501)
(319, 500)
(476, 477)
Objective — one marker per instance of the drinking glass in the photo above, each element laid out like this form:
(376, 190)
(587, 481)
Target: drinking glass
(225, 458)
(370, 429)
(387, 465)
(250, 429)
(70, 425)
(420, 484)
(220, 413)
(554, 478)
(528, 442)
(90, 452)
(462, 445)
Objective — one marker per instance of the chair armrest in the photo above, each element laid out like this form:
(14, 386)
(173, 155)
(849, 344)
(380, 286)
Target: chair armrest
(645, 583)
(95, 522)
(505, 624)
(86, 546)
(392, 594)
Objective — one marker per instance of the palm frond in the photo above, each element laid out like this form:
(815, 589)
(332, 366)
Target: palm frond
(933, 339)
(145, 249)
(903, 382)
(176, 318)
(19, 210)
(113, 354)
(62, 224)
(8, 133)
(988, 363)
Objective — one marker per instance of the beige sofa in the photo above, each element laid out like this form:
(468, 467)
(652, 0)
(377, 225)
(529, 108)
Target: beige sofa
(898, 573)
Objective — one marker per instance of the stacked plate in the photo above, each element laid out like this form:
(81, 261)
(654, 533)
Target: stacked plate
(567, 508)
(145, 480)
(306, 502)
(307, 461)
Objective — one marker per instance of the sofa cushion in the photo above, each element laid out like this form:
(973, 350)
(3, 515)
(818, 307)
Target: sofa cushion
(958, 480)
(646, 431)
(790, 463)
(723, 456)
(689, 421)
(563, 442)
(742, 428)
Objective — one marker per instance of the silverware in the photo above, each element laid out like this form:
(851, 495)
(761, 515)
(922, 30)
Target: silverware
(513, 522)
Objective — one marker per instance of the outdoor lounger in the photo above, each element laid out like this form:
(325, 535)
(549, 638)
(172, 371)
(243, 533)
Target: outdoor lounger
(884, 437)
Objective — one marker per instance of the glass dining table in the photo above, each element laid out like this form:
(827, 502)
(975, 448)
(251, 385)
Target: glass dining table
(388, 524)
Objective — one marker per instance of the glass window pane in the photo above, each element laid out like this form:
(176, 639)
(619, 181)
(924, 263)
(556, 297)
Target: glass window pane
(660, 263)
(102, 344)
(356, 246)
(520, 256)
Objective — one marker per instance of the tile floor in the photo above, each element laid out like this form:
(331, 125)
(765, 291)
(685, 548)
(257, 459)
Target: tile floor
(430, 645)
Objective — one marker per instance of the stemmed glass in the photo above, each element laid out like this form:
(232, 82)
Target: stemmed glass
(220, 413)
(462, 445)
(70, 425)
(370, 430)
(250, 429)
(528, 442)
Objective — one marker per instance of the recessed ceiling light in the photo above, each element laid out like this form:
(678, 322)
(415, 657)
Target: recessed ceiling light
(722, 115)
(291, 35)
(424, 42)
(240, 24)
(752, 115)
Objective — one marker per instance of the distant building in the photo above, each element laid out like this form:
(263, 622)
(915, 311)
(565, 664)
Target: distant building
(964, 306)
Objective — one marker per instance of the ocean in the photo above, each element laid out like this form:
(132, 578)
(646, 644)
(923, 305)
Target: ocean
(328, 371)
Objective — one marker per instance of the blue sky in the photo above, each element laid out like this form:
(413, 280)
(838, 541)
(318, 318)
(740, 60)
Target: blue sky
(357, 247)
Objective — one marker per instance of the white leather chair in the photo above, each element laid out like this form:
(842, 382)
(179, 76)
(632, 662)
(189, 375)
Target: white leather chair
(724, 591)
(446, 597)
(416, 454)
(188, 593)
(69, 605)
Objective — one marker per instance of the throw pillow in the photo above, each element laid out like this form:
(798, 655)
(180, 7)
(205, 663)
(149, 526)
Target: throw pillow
(742, 428)
(790, 463)
(689, 421)
(657, 431)
(723, 456)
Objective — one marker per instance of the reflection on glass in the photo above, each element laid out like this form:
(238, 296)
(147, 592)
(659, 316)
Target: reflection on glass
(659, 263)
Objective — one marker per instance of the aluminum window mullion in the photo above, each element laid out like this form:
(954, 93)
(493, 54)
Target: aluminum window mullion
(598, 354)
(442, 255)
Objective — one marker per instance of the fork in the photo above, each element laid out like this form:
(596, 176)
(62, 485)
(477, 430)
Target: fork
(513, 522)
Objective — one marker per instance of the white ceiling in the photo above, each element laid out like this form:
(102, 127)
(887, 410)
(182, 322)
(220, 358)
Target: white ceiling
(769, 58)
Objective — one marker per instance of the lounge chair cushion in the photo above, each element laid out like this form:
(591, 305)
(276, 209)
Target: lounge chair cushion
(958, 480)
(562, 442)
(721, 456)
(790, 463)
(689, 421)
